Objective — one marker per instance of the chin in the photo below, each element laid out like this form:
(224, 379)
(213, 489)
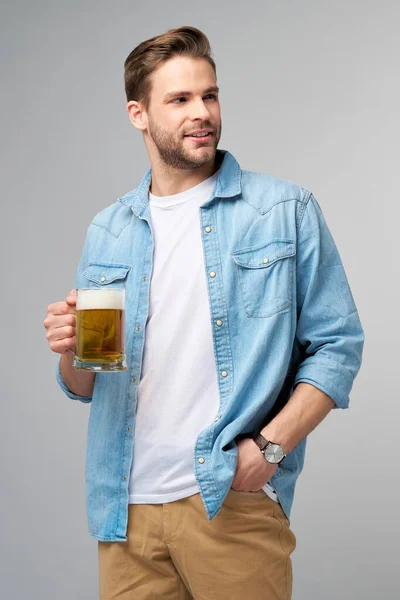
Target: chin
(203, 155)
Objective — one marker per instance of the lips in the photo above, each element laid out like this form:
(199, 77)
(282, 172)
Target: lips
(200, 134)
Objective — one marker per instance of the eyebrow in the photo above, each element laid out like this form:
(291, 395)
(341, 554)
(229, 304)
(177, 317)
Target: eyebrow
(170, 95)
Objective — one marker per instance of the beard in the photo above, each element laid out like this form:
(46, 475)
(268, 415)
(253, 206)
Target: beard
(173, 152)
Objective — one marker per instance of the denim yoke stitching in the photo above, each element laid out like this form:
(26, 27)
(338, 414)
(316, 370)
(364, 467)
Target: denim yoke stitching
(110, 232)
(302, 210)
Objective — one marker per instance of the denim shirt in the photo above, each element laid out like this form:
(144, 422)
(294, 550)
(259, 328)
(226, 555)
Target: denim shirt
(276, 281)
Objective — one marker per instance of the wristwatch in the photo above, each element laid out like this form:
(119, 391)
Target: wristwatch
(273, 453)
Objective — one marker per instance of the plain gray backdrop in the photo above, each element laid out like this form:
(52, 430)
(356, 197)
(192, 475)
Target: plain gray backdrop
(310, 92)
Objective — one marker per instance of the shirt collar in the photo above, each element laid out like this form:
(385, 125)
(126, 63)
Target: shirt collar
(228, 183)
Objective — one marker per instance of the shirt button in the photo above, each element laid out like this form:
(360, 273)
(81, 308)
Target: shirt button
(207, 229)
(133, 379)
(224, 374)
(124, 477)
(265, 260)
(128, 428)
(144, 278)
(212, 274)
(138, 328)
(102, 279)
(216, 419)
(219, 323)
(201, 460)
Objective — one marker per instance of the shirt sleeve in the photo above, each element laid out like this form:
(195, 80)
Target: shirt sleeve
(66, 390)
(329, 330)
(79, 282)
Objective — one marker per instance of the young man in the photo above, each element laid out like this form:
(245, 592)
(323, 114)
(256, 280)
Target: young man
(242, 334)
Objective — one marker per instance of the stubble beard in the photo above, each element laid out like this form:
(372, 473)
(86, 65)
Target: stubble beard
(171, 148)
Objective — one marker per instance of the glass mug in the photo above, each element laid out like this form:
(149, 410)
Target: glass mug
(100, 330)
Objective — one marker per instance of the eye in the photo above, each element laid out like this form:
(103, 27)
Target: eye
(212, 96)
(178, 100)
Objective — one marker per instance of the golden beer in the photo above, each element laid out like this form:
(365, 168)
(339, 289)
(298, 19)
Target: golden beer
(100, 330)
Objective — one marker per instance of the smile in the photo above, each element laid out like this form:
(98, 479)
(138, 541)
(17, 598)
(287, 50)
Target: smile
(199, 136)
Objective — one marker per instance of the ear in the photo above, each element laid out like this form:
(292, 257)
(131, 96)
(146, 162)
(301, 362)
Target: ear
(137, 114)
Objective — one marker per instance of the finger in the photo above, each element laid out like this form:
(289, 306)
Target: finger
(71, 298)
(61, 333)
(61, 346)
(60, 308)
(61, 321)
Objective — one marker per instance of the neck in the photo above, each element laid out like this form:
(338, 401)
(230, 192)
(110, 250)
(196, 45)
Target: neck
(166, 180)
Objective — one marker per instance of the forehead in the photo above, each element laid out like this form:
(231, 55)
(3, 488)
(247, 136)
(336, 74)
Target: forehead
(182, 73)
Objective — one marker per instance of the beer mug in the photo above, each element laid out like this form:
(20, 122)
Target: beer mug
(100, 330)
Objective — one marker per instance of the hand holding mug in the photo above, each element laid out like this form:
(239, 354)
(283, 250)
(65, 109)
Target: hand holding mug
(60, 323)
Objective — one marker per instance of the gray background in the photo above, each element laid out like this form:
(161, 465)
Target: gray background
(310, 92)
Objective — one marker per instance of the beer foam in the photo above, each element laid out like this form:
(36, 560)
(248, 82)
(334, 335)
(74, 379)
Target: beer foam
(100, 299)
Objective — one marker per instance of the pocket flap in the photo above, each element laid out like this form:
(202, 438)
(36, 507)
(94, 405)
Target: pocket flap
(104, 273)
(264, 255)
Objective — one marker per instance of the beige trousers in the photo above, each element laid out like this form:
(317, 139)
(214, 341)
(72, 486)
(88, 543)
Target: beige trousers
(174, 553)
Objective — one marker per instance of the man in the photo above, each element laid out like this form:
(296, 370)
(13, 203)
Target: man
(241, 334)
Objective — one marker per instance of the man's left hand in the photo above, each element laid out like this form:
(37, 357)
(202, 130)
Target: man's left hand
(252, 470)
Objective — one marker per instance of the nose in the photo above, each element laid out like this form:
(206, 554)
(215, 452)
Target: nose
(199, 110)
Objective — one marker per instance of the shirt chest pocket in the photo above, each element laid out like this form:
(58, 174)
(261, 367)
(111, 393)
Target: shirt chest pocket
(265, 274)
(103, 274)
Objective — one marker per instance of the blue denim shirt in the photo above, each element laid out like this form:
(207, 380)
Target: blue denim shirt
(287, 314)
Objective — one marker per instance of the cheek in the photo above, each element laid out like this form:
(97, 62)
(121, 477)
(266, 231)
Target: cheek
(216, 114)
(176, 125)
(169, 120)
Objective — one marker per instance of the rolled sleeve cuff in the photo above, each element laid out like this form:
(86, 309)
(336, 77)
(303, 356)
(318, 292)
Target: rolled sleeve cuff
(66, 390)
(330, 377)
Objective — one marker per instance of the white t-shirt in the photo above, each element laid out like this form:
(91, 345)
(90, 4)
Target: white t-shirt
(178, 393)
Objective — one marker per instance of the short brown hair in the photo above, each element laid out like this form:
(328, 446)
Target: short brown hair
(150, 54)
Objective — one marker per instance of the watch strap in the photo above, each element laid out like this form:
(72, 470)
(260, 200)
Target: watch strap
(261, 442)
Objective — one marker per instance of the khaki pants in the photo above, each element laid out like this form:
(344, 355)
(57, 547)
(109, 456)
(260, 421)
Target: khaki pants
(174, 553)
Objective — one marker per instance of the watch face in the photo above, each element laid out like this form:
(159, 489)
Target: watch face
(274, 453)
